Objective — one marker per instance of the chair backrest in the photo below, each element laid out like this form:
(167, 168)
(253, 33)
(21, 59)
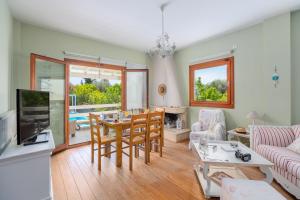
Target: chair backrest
(94, 127)
(158, 109)
(210, 117)
(138, 126)
(155, 122)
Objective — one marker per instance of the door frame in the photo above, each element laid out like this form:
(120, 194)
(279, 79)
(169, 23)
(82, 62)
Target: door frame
(33, 58)
(69, 62)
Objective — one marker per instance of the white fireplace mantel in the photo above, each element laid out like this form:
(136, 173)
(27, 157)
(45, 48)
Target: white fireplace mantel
(174, 134)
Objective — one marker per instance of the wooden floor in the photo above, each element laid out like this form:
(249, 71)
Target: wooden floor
(169, 177)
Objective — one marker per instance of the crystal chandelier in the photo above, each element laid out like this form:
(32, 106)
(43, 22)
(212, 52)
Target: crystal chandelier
(163, 46)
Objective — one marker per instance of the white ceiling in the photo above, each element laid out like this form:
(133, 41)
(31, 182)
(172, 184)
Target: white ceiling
(137, 23)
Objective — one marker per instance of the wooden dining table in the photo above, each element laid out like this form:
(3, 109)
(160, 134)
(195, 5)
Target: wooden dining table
(118, 126)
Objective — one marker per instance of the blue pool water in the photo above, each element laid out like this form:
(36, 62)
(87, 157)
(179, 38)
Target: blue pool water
(78, 118)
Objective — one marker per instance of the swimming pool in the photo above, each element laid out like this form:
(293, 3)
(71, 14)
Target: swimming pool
(78, 118)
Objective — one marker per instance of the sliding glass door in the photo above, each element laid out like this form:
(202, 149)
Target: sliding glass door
(48, 74)
(93, 88)
(136, 88)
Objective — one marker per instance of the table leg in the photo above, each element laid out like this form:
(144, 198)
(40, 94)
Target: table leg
(107, 146)
(119, 145)
(208, 181)
(267, 171)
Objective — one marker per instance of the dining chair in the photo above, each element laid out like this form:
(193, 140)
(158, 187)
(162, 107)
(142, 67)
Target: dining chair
(96, 137)
(137, 136)
(155, 131)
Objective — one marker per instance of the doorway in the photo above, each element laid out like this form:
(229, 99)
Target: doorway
(79, 87)
(93, 88)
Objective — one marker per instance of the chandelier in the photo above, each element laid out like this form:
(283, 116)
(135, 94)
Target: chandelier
(163, 46)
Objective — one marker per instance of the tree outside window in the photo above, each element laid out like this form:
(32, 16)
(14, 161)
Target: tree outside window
(211, 84)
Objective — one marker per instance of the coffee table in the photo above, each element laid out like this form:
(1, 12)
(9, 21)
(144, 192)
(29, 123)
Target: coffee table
(217, 159)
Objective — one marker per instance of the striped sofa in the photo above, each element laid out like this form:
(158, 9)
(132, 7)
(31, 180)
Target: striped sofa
(271, 142)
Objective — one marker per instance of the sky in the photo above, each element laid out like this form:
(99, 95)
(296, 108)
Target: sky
(209, 74)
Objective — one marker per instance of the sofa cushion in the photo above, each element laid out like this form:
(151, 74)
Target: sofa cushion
(293, 167)
(280, 156)
(296, 130)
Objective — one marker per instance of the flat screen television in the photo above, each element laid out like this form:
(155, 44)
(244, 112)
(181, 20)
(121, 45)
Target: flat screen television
(33, 114)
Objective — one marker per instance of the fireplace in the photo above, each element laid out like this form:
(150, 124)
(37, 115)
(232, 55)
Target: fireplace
(171, 131)
(170, 120)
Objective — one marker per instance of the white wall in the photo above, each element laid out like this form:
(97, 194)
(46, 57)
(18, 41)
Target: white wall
(6, 47)
(295, 38)
(163, 71)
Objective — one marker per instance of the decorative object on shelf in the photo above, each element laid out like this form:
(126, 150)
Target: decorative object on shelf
(179, 123)
(275, 77)
(163, 46)
(240, 130)
(253, 116)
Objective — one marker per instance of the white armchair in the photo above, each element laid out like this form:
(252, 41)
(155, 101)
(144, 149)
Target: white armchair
(211, 123)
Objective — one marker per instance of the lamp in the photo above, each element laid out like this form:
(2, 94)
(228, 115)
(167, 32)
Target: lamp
(253, 115)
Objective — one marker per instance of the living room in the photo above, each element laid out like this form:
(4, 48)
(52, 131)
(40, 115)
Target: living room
(228, 82)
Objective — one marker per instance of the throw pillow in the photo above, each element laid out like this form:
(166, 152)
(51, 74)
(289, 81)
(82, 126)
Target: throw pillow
(295, 146)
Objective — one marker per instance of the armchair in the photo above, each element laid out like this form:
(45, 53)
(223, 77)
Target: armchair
(211, 123)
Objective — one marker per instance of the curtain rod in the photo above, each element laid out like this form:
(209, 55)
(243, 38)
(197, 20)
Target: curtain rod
(215, 56)
(104, 60)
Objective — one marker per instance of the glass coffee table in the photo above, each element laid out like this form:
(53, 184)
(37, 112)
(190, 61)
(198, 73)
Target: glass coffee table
(219, 156)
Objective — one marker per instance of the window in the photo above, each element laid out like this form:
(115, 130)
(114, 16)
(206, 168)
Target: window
(212, 83)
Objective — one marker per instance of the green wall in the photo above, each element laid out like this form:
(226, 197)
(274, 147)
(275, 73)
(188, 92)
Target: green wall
(260, 47)
(33, 39)
(6, 48)
(295, 35)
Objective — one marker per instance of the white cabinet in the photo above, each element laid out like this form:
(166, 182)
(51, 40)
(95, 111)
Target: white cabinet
(25, 171)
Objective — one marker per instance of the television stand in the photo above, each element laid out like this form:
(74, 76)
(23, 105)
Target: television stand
(25, 171)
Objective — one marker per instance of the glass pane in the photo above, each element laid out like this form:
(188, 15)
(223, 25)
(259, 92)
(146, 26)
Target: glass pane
(136, 90)
(92, 89)
(51, 77)
(211, 84)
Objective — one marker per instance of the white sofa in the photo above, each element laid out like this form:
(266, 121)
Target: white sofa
(211, 123)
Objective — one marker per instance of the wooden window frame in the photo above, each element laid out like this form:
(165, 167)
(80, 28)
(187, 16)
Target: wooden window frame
(230, 82)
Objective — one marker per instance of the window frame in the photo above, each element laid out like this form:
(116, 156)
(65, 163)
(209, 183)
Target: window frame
(229, 61)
